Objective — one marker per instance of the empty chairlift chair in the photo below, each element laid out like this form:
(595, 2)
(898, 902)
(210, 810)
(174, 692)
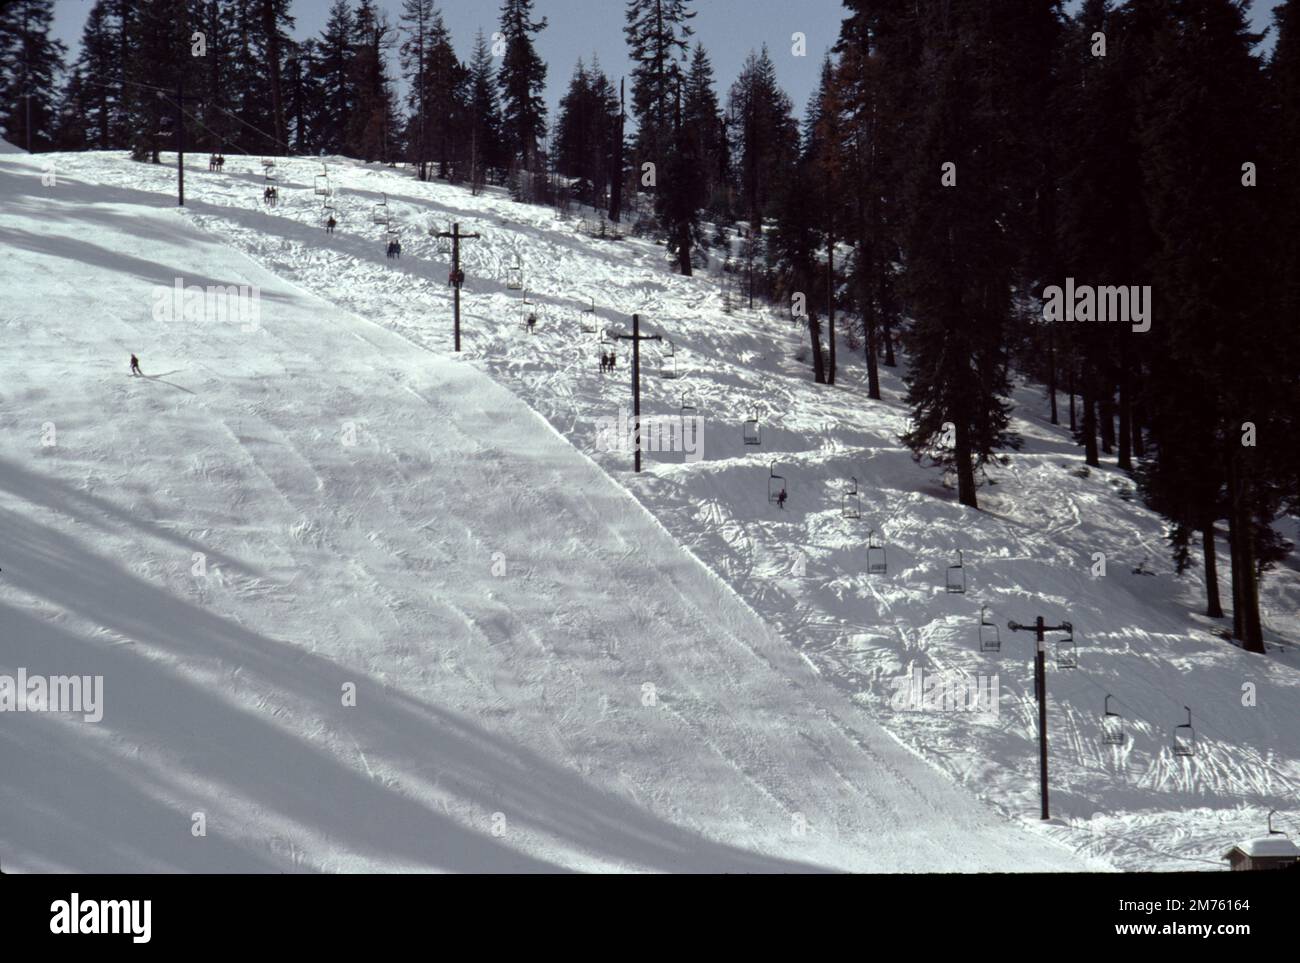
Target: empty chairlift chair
(1067, 656)
(323, 183)
(955, 583)
(380, 213)
(877, 564)
(1185, 737)
(850, 500)
(990, 640)
(775, 485)
(669, 367)
(589, 319)
(1112, 725)
(750, 432)
(515, 274)
(688, 405)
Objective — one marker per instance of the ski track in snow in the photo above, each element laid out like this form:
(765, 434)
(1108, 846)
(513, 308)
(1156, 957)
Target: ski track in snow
(522, 694)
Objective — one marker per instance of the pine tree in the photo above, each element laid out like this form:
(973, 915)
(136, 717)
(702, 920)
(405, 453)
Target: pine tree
(159, 57)
(485, 116)
(335, 77)
(657, 33)
(272, 21)
(764, 148)
(522, 80)
(31, 61)
(585, 131)
(437, 89)
(960, 262)
(703, 119)
(90, 110)
(373, 124)
(679, 191)
(1216, 366)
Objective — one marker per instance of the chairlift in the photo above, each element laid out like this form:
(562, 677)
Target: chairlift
(608, 348)
(750, 432)
(528, 315)
(990, 639)
(589, 319)
(668, 369)
(775, 484)
(1185, 737)
(268, 165)
(955, 583)
(877, 564)
(1067, 655)
(851, 501)
(323, 182)
(1112, 725)
(380, 214)
(515, 274)
(688, 404)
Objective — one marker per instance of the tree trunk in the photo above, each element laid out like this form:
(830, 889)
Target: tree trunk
(1135, 419)
(965, 468)
(1213, 607)
(1090, 427)
(272, 30)
(815, 340)
(873, 370)
(616, 174)
(1073, 421)
(1051, 377)
(1107, 417)
(1234, 533)
(1125, 420)
(830, 304)
(1246, 624)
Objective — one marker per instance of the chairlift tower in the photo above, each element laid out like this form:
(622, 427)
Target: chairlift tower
(457, 277)
(1040, 630)
(636, 337)
(180, 137)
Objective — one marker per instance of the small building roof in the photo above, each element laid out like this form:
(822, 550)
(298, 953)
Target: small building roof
(1265, 846)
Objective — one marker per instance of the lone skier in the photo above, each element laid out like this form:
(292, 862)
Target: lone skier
(780, 499)
(135, 367)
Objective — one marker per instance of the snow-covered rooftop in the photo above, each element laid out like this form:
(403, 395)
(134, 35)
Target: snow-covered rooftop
(1266, 846)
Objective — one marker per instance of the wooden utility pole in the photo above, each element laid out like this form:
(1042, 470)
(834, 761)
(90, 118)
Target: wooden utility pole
(180, 137)
(636, 337)
(1040, 692)
(457, 276)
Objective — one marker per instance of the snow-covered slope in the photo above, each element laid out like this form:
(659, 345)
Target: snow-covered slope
(756, 715)
(543, 677)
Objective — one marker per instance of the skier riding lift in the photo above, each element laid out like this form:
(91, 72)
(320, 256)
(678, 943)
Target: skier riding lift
(330, 225)
(135, 367)
(780, 499)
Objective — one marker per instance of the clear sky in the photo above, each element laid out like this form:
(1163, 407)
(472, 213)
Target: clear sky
(729, 30)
